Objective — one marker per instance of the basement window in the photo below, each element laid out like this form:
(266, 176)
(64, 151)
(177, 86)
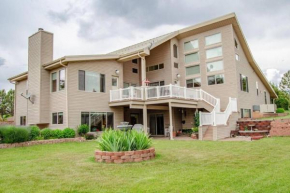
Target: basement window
(23, 120)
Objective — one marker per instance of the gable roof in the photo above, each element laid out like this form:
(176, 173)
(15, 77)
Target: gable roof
(146, 46)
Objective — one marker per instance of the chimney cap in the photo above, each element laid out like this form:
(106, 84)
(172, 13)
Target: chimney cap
(40, 29)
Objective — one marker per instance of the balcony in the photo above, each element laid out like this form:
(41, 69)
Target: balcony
(161, 92)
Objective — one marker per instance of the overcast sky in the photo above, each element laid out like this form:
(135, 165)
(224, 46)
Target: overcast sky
(97, 27)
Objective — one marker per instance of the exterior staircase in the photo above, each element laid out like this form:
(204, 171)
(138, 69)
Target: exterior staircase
(208, 135)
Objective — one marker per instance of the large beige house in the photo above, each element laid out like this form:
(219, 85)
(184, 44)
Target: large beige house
(163, 83)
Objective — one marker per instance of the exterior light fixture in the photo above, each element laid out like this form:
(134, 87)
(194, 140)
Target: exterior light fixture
(117, 72)
(177, 76)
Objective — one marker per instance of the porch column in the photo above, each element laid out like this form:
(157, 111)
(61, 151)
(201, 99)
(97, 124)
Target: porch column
(170, 122)
(145, 119)
(143, 71)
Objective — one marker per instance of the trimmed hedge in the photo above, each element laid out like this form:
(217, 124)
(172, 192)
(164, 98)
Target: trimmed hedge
(34, 133)
(69, 133)
(46, 133)
(12, 134)
(57, 134)
(280, 110)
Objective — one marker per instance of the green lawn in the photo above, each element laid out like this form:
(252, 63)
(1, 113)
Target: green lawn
(271, 118)
(180, 166)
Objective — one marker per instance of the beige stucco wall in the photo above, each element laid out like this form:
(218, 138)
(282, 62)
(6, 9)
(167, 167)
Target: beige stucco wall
(21, 102)
(82, 101)
(248, 99)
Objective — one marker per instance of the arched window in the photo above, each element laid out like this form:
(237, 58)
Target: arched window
(175, 51)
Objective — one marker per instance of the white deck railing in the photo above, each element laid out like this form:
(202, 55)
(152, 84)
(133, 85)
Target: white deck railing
(216, 117)
(158, 92)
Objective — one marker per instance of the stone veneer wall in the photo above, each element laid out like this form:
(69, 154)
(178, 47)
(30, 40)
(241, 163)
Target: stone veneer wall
(260, 125)
(125, 156)
(39, 142)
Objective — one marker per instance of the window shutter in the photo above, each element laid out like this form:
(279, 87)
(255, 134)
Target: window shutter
(82, 80)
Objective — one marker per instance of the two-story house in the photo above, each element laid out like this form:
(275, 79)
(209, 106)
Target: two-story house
(163, 83)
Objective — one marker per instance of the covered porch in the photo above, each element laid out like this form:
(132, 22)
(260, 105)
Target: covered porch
(161, 118)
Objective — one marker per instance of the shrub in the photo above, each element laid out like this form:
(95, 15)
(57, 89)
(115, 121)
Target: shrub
(34, 133)
(39, 138)
(20, 135)
(282, 103)
(89, 136)
(194, 130)
(83, 129)
(12, 134)
(46, 133)
(57, 134)
(280, 110)
(69, 133)
(116, 140)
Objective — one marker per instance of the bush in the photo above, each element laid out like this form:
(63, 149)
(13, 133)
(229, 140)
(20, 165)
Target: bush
(20, 135)
(194, 130)
(83, 129)
(46, 133)
(280, 110)
(12, 134)
(282, 103)
(116, 140)
(57, 134)
(69, 133)
(89, 136)
(34, 133)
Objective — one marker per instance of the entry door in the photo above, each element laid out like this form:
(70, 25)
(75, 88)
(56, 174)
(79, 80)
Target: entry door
(156, 124)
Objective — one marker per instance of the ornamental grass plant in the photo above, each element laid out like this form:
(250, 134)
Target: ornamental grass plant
(116, 140)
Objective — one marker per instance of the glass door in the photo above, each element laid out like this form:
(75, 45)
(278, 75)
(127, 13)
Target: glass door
(156, 124)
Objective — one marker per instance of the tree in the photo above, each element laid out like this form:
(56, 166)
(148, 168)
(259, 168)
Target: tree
(285, 82)
(283, 97)
(6, 103)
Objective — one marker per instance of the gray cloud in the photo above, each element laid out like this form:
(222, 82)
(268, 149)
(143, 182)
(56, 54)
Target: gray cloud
(2, 61)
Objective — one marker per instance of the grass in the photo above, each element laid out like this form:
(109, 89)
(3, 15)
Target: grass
(180, 166)
(275, 118)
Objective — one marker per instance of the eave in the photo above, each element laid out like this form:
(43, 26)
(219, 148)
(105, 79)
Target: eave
(19, 77)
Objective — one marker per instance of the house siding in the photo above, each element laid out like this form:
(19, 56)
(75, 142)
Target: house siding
(82, 101)
(129, 76)
(21, 102)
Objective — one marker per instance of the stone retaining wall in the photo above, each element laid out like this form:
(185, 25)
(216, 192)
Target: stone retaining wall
(280, 128)
(39, 142)
(125, 156)
(260, 125)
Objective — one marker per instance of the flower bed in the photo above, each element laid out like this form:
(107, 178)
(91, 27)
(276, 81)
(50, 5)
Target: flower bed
(39, 142)
(125, 156)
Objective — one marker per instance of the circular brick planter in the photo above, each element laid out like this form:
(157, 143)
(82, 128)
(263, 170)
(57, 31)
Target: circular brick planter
(125, 156)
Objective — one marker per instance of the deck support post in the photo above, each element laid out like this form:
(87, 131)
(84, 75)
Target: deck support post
(143, 71)
(170, 122)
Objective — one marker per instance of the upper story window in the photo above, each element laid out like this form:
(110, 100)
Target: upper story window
(195, 82)
(135, 70)
(189, 58)
(257, 87)
(214, 52)
(91, 81)
(237, 57)
(61, 79)
(213, 39)
(155, 67)
(215, 66)
(216, 79)
(53, 82)
(192, 70)
(236, 44)
(175, 65)
(265, 95)
(175, 51)
(135, 61)
(190, 45)
(244, 83)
